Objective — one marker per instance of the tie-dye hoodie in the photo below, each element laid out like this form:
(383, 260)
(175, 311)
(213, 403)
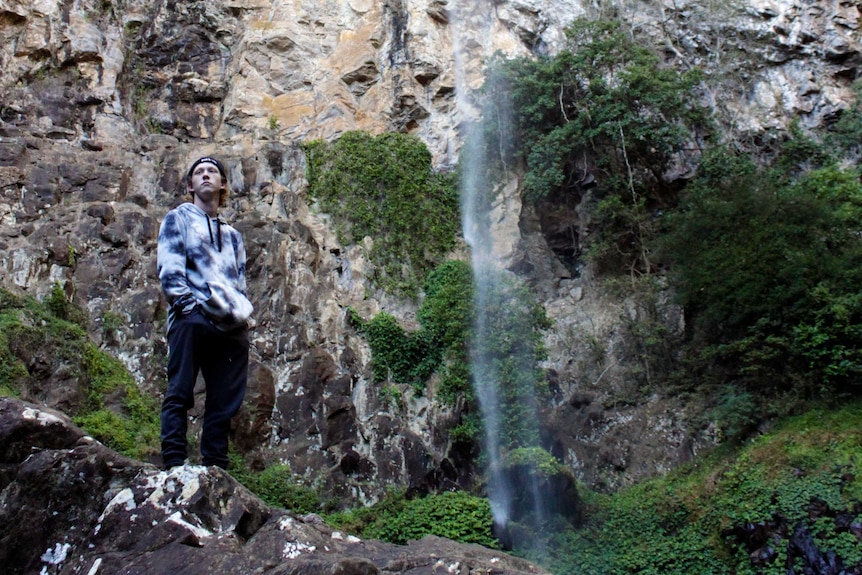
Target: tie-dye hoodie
(201, 262)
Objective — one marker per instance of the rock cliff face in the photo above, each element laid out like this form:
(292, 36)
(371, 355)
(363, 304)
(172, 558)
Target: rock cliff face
(105, 103)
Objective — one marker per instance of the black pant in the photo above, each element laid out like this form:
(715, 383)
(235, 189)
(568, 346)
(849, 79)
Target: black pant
(195, 345)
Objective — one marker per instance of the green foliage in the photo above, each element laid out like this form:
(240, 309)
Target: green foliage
(468, 430)
(455, 380)
(768, 267)
(827, 338)
(61, 307)
(141, 96)
(508, 346)
(56, 301)
(800, 153)
(735, 414)
(111, 321)
(391, 396)
(455, 515)
(844, 543)
(447, 308)
(690, 520)
(602, 111)
(154, 126)
(646, 332)
(355, 521)
(111, 409)
(444, 317)
(383, 188)
(135, 430)
(13, 372)
(397, 355)
(844, 137)
(277, 486)
(545, 464)
(447, 315)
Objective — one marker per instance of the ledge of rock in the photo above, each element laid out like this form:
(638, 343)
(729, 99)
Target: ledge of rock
(71, 505)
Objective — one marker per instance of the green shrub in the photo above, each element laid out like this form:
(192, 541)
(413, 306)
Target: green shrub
(111, 322)
(397, 355)
(455, 515)
(510, 348)
(844, 136)
(277, 486)
(455, 381)
(735, 414)
(356, 520)
(57, 303)
(447, 315)
(468, 430)
(602, 112)
(13, 373)
(538, 459)
(447, 309)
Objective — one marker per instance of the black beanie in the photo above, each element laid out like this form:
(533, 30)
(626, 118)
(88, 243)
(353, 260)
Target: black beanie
(208, 160)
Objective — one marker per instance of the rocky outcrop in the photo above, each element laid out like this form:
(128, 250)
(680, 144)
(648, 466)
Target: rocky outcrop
(70, 505)
(104, 104)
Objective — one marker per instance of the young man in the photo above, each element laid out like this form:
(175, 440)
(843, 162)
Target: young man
(201, 263)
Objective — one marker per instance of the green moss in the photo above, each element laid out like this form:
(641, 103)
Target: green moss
(110, 429)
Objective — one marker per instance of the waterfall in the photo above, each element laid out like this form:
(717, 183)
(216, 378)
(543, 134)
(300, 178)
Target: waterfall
(503, 366)
(485, 376)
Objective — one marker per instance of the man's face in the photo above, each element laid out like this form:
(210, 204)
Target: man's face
(206, 182)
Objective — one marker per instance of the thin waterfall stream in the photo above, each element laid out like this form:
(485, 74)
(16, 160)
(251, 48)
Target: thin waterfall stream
(503, 353)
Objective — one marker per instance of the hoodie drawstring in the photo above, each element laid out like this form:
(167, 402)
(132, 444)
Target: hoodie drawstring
(218, 231)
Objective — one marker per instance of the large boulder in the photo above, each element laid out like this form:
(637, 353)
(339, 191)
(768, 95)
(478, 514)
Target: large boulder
(70, 505)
